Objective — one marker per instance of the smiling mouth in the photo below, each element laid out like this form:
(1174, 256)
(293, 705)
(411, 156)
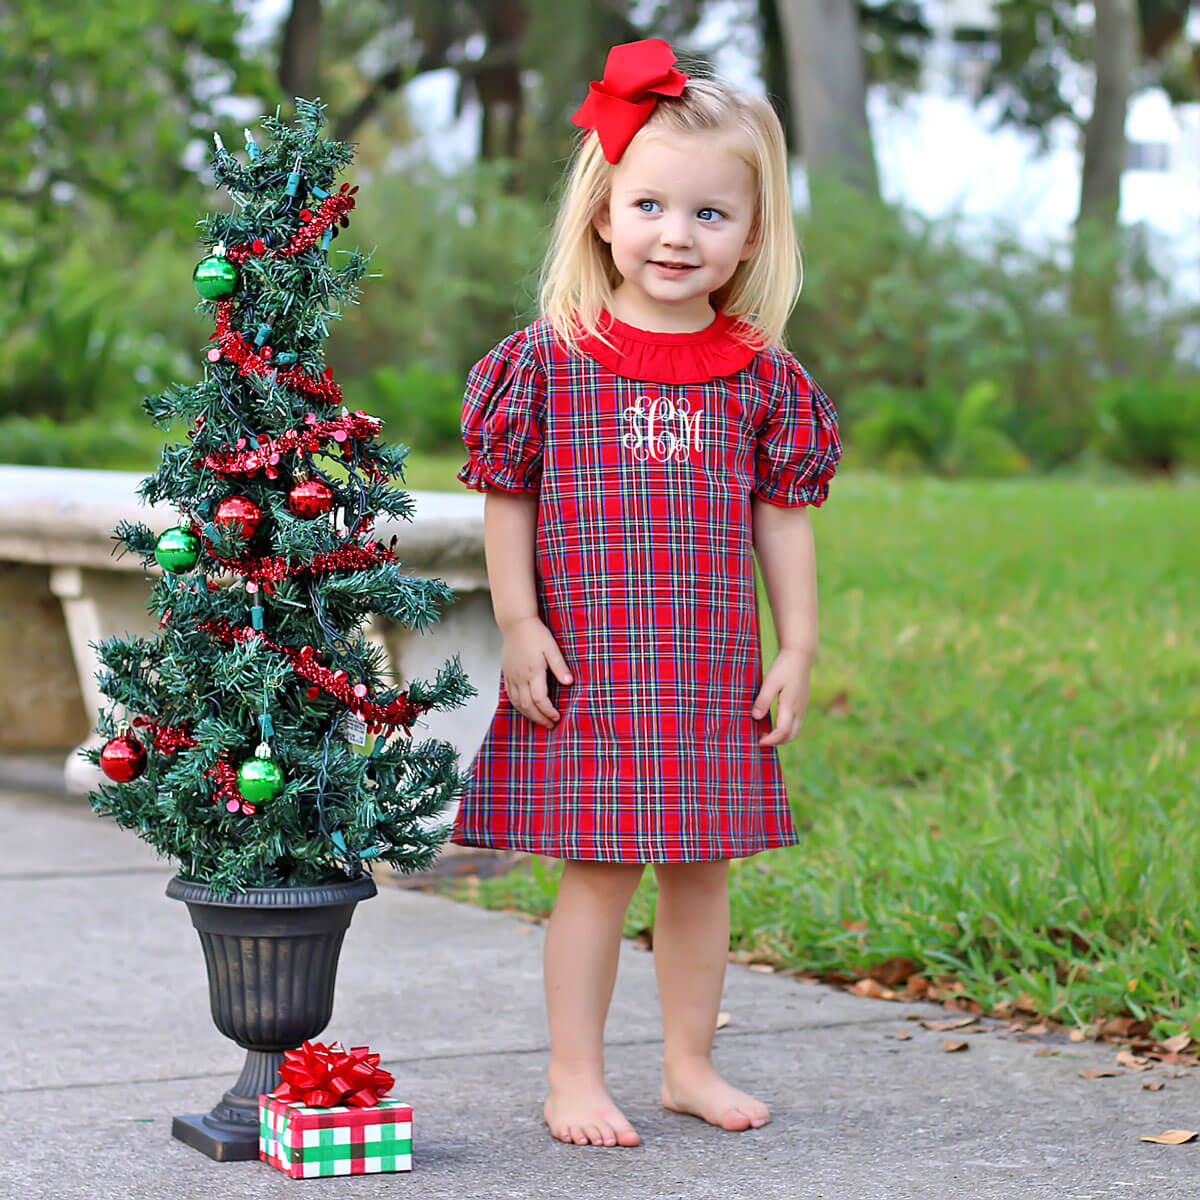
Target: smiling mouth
(676, 265)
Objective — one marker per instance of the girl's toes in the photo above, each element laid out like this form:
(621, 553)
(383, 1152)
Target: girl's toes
(628, 1136)
(594, 1135)
(759, 1114)
(607, 1136)
(734, 1118)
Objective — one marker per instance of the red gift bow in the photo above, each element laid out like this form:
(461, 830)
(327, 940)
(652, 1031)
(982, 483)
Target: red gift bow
(617, 106)
(322, 1076)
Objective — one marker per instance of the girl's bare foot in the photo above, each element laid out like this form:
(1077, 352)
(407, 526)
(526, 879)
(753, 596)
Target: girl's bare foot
(696, 1088)
(581, 1111)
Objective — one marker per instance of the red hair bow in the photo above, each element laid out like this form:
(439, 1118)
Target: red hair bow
(635, 75)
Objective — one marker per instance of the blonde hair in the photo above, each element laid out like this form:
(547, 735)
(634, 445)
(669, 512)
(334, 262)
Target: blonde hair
(578, 275)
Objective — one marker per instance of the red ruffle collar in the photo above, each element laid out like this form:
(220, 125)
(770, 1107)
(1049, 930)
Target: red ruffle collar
(653, 357)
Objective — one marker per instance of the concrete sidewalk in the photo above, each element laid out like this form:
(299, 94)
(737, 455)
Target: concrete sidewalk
(107, 1034)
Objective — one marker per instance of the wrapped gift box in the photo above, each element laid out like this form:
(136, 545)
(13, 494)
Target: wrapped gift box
(306, 1142)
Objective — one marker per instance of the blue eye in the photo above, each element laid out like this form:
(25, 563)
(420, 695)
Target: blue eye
(642, 205)
(715, 213)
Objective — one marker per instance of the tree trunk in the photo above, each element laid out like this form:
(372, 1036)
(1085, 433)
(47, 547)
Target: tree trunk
(300, 55)
(828, 87)
(1097, 249)
(1115, 41)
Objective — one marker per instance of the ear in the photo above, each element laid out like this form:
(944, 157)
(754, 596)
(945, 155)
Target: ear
(602, 223)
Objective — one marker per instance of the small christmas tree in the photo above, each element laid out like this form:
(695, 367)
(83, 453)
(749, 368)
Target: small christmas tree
(259, 745)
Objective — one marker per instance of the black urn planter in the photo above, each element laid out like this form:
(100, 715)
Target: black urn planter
(272, 956)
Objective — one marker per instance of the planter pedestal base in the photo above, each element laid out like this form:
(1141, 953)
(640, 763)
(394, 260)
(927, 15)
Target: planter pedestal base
(195, 1131)
(229, 1133)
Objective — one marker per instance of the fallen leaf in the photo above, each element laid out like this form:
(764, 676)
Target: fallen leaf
(950, 1046)
(1098, 1072)
(763, 968)
(942, 1026)
(918, 985)
(892, 972)
(1078, 1035)
(1169, 1137)
(1152, 1085)
(1185, 1060)
(854, 926)
(901, 1037)
(1177, 1043)
(868, 987)
(839, 706)
(1038, 1029)
(1045, 1052)
(1133, 1061)
(722, 1020)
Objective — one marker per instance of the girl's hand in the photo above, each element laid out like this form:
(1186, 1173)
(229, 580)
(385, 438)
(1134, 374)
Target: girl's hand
(788, 678)
(529, 648)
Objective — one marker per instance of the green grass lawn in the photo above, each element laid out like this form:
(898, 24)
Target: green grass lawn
(997, 774)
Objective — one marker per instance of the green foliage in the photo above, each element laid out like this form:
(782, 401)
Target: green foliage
(424, 402)
(466, 254)
(1150, 424)
(86, 127)
(938, 430)
(927, 309)
(117, 444)
(208, 677)
(996, 774)
(898, 313)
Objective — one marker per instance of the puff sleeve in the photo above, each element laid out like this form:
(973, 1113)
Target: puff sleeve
(797, 449)
(503, 418)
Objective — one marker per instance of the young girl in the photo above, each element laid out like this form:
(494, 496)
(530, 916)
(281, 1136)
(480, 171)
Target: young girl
(636, 443)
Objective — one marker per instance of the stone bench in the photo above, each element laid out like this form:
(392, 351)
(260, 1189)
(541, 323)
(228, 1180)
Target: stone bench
(62, 586)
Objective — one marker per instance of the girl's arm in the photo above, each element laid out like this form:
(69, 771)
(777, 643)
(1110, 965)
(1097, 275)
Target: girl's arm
(783, 541)
(509, 530)
(509, 525)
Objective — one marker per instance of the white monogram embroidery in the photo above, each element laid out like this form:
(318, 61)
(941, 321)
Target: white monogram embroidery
(661, 430)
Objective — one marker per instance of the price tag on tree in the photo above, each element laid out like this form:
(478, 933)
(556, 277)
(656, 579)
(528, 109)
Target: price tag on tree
(354, 730)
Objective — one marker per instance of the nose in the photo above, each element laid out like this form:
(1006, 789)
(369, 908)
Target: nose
(677, 231)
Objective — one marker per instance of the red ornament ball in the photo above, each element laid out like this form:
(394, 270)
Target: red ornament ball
(241, 513)
(310, 499)
(123, 759)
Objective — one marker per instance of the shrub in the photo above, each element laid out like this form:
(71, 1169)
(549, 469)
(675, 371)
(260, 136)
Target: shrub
(938, 430)
(1149, 424)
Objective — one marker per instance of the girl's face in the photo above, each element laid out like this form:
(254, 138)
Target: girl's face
(678, 220)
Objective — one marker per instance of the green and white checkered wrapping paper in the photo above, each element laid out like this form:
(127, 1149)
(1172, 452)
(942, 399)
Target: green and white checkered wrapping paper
(306, 1142)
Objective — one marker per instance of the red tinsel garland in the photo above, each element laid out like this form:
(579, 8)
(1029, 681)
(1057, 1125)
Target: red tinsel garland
(240, 460)
(400, 713)
(170, 739)
(333, 209)
(250, 361)
(272, 569)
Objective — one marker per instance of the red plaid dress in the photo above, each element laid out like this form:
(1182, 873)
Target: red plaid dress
(645, 457)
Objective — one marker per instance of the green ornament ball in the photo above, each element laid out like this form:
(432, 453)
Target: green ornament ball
(259, 779)
(177, 550)
(215, 277)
